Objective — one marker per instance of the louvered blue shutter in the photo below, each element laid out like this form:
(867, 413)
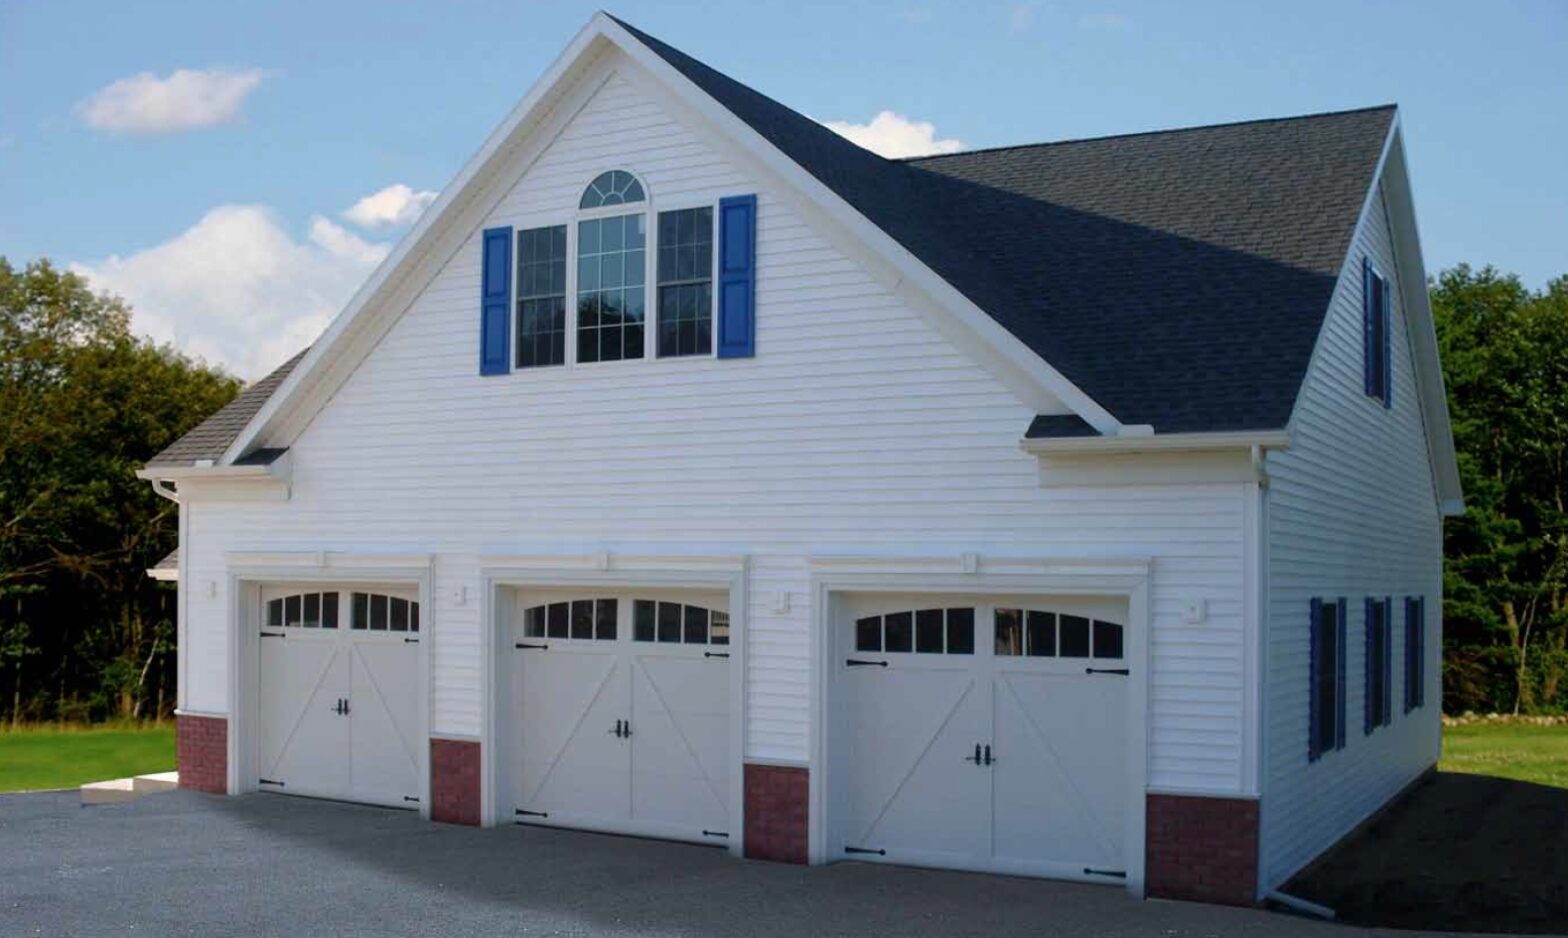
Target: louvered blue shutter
(1371, 636)
(1387, 314)
(1368, 340)
(495, 300)
(1387, 638)
(1315, 655)
(1339, 680)
(738, 276)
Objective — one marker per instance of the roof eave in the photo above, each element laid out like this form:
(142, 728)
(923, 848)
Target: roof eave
(1156, 443)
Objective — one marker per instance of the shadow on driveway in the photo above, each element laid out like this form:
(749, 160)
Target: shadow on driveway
(1463, 852)
(184, 863)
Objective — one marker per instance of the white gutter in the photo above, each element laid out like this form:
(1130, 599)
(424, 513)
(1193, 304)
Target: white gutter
(1158, 442)
(278, 470)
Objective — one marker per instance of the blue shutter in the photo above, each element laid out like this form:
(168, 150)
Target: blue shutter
(1339, 681)
(1388, 660)
(1314, 717)
(738, 276)
(1387, 313)
(1371, 636)
(495, 301)
(1368, 340)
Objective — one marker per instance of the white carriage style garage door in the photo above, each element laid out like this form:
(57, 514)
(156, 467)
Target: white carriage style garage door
(338, 693)
(619, 715)
(987, 735)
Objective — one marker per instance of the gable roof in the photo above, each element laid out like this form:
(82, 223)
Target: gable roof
(211, 438)
(1179, 278)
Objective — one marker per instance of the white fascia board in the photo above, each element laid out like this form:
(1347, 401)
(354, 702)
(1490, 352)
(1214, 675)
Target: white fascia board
(1159, 442)
(166, 576)
(915, 273)
(1418, 321)
(278, 471)
(420, 239)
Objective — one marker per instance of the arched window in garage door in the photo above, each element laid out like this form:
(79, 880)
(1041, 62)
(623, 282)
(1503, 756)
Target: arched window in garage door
(303, 611)
(575, 618)
(377, 612)
(662, 621)
(924, 631)
(1042, 633)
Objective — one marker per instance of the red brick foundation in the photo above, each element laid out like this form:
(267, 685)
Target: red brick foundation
(776, 812)
(201, 753)
(454, 781)
(1202, 849)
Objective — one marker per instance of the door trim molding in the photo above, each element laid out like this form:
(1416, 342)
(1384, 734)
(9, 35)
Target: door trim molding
(246, 574)
(1123, 578)
(606, 570)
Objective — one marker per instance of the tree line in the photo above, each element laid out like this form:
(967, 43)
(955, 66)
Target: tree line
(86, 635)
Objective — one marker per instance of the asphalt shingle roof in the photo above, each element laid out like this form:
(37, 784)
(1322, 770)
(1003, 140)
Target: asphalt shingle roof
(209, 439)
(1179, 277)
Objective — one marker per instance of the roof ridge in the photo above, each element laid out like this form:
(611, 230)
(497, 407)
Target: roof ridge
(1149, 133)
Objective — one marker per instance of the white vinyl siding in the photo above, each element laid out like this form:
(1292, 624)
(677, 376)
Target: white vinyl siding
(1352, 511)
(856, 429)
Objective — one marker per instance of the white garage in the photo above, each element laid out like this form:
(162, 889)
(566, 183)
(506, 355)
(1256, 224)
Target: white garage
(983, 733)
(615, 714)
(338, 702)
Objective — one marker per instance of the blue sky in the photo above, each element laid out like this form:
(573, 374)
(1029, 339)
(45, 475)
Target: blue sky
(226, 225)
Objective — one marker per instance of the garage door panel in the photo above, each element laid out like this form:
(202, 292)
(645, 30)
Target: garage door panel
(915, 787)
(384, 767)
(572, 763)
(680, 756)
(300, 733)
(1054, 751)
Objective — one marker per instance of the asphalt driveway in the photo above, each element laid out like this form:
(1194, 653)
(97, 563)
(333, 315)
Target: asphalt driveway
(184, 863)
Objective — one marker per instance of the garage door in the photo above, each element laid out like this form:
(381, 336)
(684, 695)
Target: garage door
(338, 694)
(982, 735)
(621, 712)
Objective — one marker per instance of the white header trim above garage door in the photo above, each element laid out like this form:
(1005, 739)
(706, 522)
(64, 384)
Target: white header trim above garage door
(607, 570)
(1126, 578)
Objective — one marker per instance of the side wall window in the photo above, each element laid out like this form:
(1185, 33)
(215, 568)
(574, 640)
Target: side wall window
(1326, 730)
(685, 280)
(1378, 708)
(541, 296)
(1415, 652)
(1376, 328)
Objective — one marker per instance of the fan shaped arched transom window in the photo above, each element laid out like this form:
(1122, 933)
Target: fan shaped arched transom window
(616, 187)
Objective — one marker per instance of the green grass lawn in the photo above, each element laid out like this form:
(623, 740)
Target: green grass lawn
(48, 757)
(1526, 753)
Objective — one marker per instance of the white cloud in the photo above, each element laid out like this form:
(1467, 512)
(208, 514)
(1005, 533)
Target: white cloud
(894, 135)
(395, 205)
(1021, 19)
(187, 99)
(1105, 21)
(237, 289)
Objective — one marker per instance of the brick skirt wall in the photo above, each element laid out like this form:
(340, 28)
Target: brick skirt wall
(1202, 849)
(201, 753)
(454, 781)
(776, 797)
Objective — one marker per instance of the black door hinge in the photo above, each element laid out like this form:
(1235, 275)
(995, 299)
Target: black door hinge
(857, 663)
(877, 852)
(1106, 671)
(708, 833)
(411, 798)
(1119, 874)
(411, 641)
(715, 654)
(268, 781)
(274, 634)
(521, 813)
(527, 645)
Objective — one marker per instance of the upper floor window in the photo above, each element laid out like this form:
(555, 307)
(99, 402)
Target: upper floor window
(1376, 329)
(685, 281)
(541, 296)
(611, 297)
(615, 187)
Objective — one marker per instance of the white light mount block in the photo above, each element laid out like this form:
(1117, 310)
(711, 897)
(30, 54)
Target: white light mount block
(1193, 610)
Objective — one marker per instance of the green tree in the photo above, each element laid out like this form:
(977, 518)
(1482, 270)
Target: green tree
(1505, 362)
(83, 403)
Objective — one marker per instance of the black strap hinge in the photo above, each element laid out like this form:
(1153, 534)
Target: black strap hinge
(411, 641)
(857, 663)
(527, 645)
(715, 654)
(521, 813)
(708, 833)
(1106, 671)
(411, 798)
(268, 781)
(1119, 874)
(877, 852)
(274, 635)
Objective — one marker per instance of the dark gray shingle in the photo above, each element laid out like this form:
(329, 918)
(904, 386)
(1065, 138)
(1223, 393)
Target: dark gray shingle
(209, 439)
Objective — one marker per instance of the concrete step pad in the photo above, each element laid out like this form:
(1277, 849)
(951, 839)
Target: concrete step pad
(115, 790)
